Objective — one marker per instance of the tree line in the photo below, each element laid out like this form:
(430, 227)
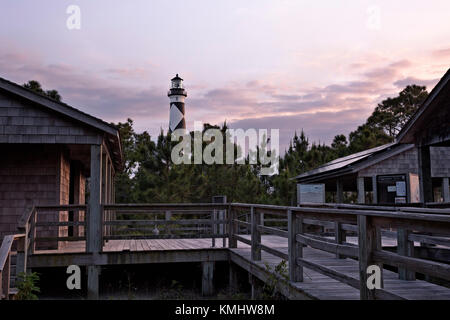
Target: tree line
(151, 177)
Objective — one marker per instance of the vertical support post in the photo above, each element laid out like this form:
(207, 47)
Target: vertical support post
(33, 219)
(233, 283)
(367, 244)
(222, 228)
(339, 191)
(6, 277)
(256, 235)
(94, 235)
(93, 273)
(214, 227)
(22, 251)
(262, 219)
(374, 190)
(295, 226)
(104, 193)
(361, 190)
(167, 217)
(445, 190)
(207, 278)
(256, 287)
(232, 242)
(340, 236)
(405, 248)
(426, 185)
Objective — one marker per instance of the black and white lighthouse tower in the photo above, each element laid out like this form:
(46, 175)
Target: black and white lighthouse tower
(177, 94)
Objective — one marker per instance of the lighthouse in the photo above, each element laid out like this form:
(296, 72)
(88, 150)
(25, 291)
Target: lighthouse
(177, 94)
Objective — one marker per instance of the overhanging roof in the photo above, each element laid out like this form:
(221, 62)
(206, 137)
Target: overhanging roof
(353, 163)
(109, 130)
(406, 135)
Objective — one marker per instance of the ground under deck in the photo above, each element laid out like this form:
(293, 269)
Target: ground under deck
(314, 286)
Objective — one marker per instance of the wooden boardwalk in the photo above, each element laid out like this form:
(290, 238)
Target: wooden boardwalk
(314, 286)
(328, 251)
(318, 286)
(135, 245)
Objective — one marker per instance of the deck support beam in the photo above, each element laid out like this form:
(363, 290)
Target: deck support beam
(207, 278)
(93, 273)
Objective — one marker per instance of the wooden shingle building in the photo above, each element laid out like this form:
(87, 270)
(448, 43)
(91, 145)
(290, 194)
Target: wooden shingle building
(49, 152)
(413, 169)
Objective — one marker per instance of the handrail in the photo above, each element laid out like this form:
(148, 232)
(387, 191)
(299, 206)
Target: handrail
(367, 223)
(5, 261)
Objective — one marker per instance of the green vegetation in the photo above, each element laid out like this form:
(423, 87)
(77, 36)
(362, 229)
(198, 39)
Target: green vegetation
(151, 177)
(276, 275)
(36, 87)
(27, 286)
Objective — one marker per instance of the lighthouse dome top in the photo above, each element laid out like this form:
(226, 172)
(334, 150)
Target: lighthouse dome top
(177, 78)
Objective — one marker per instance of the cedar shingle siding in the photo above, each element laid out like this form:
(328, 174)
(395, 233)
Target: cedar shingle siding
(35, 166)
(24, 122)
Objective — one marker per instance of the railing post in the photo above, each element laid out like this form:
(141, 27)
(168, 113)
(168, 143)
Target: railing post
(256, 235)
(295, 226)
(22, 250)
(6, 277)
(405, 248)
(232, 242)
(33, 220)
(214, 227)
(340, 236)
(367, 242)
(168, 217)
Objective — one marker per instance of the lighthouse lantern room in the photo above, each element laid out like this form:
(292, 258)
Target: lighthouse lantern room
(177, 94)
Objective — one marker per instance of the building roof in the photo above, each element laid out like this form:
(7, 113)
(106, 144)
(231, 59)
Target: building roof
(353, 163)
(64, 109)
(406, 135)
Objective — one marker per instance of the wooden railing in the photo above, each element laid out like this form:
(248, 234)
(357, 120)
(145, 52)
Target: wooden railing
(166, 221)
(47, 227)
(367, 224)
(322, 227)
(5, 261)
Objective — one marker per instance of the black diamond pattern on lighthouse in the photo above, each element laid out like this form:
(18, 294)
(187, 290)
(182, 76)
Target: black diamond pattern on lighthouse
(177, 94)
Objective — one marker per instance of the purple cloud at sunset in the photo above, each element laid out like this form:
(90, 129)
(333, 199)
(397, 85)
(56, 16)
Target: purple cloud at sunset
(261, 64)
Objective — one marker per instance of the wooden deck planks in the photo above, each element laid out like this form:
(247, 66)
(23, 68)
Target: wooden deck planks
(315, 284)
(323, 287)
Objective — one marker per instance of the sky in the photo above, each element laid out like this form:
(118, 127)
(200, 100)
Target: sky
(321, 66)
